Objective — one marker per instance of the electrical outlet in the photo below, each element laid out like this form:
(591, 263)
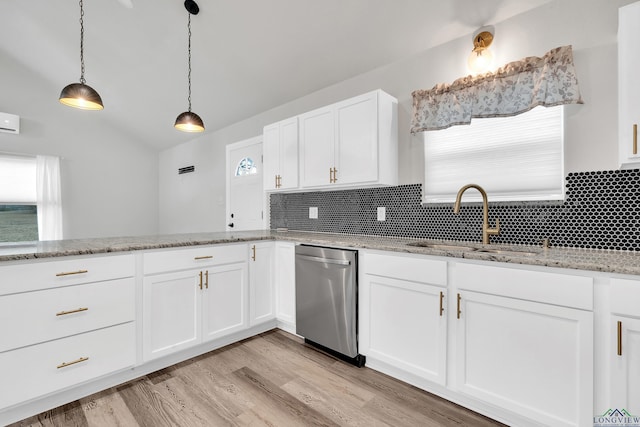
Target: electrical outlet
(313, 212)
(382, 213)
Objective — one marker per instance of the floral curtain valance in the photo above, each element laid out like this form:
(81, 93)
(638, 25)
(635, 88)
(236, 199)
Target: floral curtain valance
(513, 89)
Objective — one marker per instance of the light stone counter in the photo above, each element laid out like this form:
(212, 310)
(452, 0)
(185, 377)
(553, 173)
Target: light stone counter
(607, 261)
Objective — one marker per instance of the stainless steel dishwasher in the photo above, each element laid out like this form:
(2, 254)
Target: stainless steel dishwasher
(327, 300)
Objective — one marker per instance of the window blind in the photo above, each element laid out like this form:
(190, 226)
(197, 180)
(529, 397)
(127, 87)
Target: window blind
(515, 158)
(17, 180)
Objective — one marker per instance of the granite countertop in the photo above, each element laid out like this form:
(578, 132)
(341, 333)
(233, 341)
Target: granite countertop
(608, 261)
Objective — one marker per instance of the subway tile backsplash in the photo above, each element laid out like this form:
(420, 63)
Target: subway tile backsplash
(601, 210)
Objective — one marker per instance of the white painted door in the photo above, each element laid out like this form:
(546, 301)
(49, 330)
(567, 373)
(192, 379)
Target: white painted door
(625, 366)
(531, 358)
(245, 197)
(317, 136)
(261, 282)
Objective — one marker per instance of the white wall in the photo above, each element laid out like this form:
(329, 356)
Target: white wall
(591, 129)
(109, 183)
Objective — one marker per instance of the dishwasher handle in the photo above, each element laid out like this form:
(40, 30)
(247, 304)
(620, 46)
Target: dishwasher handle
(324, 260)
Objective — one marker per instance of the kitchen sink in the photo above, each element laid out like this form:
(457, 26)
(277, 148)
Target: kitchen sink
(442, 246)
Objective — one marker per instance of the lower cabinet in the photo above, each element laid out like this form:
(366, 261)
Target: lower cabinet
(185, 308)
(285, 285)
(624, 348)
(403, 319)
(261, 286)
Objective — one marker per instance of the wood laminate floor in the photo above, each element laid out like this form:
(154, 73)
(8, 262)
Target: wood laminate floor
(273, 379)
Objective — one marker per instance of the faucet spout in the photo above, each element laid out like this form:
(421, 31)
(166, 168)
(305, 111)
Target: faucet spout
(486, 230)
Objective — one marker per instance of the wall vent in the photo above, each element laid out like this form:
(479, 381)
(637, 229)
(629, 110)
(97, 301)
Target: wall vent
(9, 123)
(186, 169)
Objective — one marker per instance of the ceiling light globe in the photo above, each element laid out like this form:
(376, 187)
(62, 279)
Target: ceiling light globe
(189, 122)
(480, 61)
(82, 96)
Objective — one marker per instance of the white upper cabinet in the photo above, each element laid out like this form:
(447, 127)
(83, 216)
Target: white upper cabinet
(628, 85)
(352, 143)
(280, 145)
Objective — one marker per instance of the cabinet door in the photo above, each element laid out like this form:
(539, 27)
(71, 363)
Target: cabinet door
(628, 84)
(271, 156)
(285, 280)
(225, 297)
(403, 325)
(171, 313)
(625, 365)
(531, 358)
(356, 157)
(261, 300)
(289, 154)
(317, 147)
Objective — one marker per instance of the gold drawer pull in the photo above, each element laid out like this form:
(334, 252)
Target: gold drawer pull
(441, 303)
(71, 273)
(65, 364)
(619, 338)
(203, 257)
(77, 310)
(206, 279)
(459, 310)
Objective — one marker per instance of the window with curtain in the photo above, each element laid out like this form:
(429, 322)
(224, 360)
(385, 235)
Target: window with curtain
(512, 158)
(30, 198)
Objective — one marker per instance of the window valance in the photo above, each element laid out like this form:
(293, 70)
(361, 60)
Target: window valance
(513, 89)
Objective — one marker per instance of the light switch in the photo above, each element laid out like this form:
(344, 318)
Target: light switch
(382, 213)
(313, 212)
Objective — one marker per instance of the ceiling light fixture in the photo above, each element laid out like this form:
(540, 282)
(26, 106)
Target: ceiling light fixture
(189, 121)
(481, 59)
(80, 95)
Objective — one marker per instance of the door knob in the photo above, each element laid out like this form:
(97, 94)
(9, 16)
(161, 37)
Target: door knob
(230, 225)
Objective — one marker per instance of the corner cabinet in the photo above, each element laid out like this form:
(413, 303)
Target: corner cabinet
(280, 147)
(192, 296)
(628, 85)
(350, 143)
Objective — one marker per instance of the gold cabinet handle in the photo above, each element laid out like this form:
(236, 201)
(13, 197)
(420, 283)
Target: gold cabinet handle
(71, 273)
(335, 175)
(203, 257)
(635, 139)
(619, 338)
(253, 252)
(330, 175)
(441, 303)
(206, 279)
(276, 177)
(77, 310)
(65, 364)
(200, 284)
(459, 311)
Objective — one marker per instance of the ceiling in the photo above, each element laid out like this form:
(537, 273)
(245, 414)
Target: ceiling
(248, 56)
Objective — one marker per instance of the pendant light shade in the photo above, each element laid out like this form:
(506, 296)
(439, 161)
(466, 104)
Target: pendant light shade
(80, 95)
(189, 121)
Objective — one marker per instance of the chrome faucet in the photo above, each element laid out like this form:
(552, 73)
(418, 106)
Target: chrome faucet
(486, 231)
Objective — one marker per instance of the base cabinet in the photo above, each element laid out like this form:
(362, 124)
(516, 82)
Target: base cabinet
(261, 285)
(403, 318)
(285, 281)
(530, 358)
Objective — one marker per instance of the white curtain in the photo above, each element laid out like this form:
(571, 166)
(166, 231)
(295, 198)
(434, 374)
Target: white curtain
(513, 89)
(49, 198)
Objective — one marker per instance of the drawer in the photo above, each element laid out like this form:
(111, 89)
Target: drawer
(625, 297)
(37, 370)
(36, 275)
(193, 257)
(33, 317)
(412, 268)
(540, 286)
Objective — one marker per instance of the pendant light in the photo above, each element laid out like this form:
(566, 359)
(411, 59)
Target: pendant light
(190, 121)
(80, 95)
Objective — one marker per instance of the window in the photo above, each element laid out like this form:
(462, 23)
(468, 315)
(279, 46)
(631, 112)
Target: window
(30, 198)
(246, 166)
(514, 158)
(18, 211)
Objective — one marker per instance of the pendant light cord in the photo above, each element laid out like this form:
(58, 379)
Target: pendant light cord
(189, 74)
(82, 80)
